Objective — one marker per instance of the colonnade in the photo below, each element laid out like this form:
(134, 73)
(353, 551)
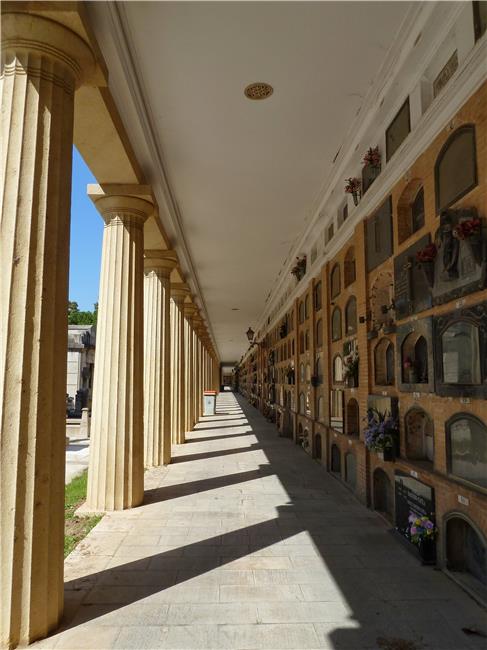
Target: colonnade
(154, 356)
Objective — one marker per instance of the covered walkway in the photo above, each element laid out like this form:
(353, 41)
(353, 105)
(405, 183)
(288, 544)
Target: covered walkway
(245, 542)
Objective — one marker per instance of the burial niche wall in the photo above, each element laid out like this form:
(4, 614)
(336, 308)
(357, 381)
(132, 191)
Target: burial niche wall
(337, 369)
(351, 316)
(335, 281)
(381, 295)
(413, 279)
(419, 435)
(466, 437)
(461, 352)
(414, 353)
(336, 324)
(466, 551)
(383, 495)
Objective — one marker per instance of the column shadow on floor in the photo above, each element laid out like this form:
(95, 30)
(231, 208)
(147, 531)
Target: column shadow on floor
(342, 545)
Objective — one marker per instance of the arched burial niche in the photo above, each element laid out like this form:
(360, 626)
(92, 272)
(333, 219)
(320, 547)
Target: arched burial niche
(319, 333)
(410, 210)
(384, 363)
(466, 437)
(321, 408)
(353, 420)
(337, 369)
(336, 460)
(419, 435)
(351, 316)
(318, 446)
(317, 296)
(351, 470)
(466, 551)
(383, 497)
(414, 357)
(302, 404)
(336, 324)
(335, 287)
(349, 267)
(456, 167)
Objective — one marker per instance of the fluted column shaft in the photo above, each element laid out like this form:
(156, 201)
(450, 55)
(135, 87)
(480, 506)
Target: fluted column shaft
(189, 310)
(157, 357)
(178, 423)
(116, 469)
(42, 63)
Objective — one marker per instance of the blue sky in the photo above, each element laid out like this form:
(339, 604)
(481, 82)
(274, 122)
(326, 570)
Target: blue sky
(86, 239)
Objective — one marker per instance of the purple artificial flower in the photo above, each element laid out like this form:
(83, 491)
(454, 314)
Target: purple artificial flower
(414, 530)
(429, 525)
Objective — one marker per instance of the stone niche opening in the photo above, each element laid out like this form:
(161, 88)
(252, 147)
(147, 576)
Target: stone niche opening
(466, 553)
(461, 352)
(384, 363)
(335, 287)
(414, 353)
(351, 470)
(349, 272)
(351, 316)
(419, 435)
(410, 210)
(456, 167)
(318, 446)
(353, 419)
(336, 410)
(336, 324)
(336, 460)
(337, 369)
(383, 494)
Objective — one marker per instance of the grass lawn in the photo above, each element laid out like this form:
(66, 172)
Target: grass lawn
(75, 528)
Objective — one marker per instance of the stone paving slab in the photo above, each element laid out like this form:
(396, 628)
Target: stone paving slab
(244, 543)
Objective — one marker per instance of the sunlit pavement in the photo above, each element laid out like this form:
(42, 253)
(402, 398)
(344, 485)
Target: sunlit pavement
(245, 542)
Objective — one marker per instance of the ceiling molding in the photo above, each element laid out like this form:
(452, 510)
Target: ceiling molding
(158, 178)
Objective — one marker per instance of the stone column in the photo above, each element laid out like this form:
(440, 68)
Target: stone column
(179, 291)
(116, 469)
(42, 64)
(189, 311)
(158, 265)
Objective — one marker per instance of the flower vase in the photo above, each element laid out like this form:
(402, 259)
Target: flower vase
(413, 376)
(427, 550)
(351, 381)
(474, 243)
(428, 269)
(355, 198)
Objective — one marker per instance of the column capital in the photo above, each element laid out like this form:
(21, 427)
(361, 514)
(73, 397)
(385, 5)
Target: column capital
(190, 310)
(30, 33)
(179, 292)
(122, 203)
(159, 261)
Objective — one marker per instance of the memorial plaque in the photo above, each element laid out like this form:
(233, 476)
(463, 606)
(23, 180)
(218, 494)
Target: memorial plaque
(412, 497)
(412, 293)
(383, 404)
(460, 266)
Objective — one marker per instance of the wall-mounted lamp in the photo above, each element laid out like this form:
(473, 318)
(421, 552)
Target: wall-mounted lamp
(250, 334)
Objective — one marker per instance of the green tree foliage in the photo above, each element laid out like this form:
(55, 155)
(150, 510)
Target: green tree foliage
(77, 317)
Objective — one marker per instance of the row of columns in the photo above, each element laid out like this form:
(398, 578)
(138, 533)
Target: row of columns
(153, 359)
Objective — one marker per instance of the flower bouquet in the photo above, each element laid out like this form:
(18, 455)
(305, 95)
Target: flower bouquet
(470, 231)
(350, 367)
(426, 261)
(381, 433)
(372, 157)
(352, 187)
(422, 532)
(299, 269)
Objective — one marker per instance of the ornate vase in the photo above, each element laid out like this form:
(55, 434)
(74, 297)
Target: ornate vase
(355, 197)
(428, 269)
(474, 243)
(427, 550)
(387, 454)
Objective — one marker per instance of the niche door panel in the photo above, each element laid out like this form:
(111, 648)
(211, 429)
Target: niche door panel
(461, 352)
(414, 356)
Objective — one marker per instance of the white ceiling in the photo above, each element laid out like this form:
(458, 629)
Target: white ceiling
(246, 174)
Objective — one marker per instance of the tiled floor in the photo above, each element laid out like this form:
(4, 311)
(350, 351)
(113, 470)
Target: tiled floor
(245, 542)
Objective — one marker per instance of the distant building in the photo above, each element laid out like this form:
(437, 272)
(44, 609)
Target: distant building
(81, 360)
